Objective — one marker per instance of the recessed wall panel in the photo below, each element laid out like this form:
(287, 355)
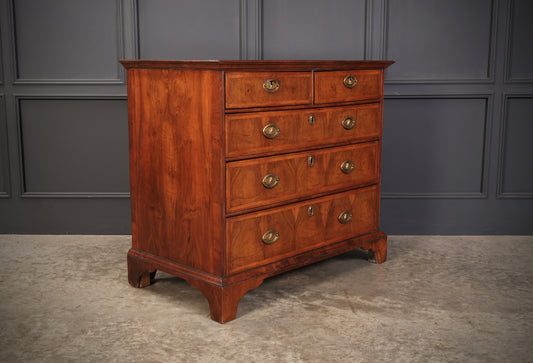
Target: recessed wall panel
(439, 39)
(189, 29)
(74, 145)
(517, 172)
(4, 161)
(66, 40)
(433, 146)
(521, 40)
(314, 29)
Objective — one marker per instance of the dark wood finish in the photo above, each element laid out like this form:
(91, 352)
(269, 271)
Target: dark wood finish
(245, 190)
(196, 164)
(244, 132)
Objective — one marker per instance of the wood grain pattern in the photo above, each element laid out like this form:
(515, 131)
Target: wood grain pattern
(244, 132)
(245, 89)
(175, 126)
(199, 208)
(245, 191)
(329, 86)
(298, 230)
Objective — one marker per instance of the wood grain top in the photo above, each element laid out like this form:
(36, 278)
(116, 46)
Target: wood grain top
(284, 65)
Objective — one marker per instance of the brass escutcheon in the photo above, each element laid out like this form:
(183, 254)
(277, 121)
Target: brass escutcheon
(310, 160)
(348, 123)
(270, 236)
(271, 85)
(350, 81)
(311, 119)
(310, 210)
(345, 217)
(271, 131)
(270, 181)
(347, 166)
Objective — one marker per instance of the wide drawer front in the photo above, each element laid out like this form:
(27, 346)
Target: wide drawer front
(261, 89)
(272, 180)
(263, 237)
(260, 133)
(346, 86)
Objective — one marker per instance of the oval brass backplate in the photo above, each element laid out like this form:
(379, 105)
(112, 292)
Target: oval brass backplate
(270, 236)
(271, 85)
(350, 81)
(270, 181)
(348, 123)
(271, 131)
(347, 167)
(345, 217)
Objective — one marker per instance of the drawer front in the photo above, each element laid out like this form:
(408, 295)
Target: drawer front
(346, 86)
(261, 133)
(261, 89)
(260, 238)
(272, 180)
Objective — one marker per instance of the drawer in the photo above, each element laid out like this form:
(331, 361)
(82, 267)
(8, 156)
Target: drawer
(260, 238)
(262, 133)
(261, 89)
(261, 182)
(346, 86)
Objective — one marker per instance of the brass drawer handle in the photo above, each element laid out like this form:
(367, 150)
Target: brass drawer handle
(271, 85)
(347, 167)
(350, 81)
(270, 181)
(271, 131)
(345, 217)
(270, 236)
(348, 123)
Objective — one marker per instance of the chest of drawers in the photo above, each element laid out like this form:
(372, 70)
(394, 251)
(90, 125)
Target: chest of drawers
(240, 170)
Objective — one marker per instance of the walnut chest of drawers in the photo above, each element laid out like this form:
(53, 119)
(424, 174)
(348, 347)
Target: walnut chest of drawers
(241, 170)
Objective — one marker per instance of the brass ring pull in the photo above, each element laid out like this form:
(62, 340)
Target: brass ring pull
(350, 81)
(347, 167)
(271, 85)
(348, 123)
(270, 236)
(270, 181)
(345, 217)
(271, 131)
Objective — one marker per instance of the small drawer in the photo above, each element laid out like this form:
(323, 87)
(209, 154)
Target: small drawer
(264, 133)
(257, 183)
(264, 237)
(262, 89)
(347, 86)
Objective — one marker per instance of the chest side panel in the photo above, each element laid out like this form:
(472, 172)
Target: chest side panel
(176, 165)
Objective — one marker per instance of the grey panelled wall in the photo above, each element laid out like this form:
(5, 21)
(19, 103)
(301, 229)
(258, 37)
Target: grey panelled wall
(458, 117)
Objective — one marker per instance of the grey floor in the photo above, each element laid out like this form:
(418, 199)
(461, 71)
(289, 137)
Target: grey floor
(437, 299)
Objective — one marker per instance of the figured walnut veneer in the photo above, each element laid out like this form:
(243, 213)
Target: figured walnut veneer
(199, 152)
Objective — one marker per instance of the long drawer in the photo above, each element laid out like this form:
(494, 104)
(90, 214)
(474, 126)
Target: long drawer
(272, 180)
(264, 133)
(263, 237)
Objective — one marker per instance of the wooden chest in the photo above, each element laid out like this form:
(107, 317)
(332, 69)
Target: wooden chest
(241, 170)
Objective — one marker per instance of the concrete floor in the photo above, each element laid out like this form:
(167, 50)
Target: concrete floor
(437, 299)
